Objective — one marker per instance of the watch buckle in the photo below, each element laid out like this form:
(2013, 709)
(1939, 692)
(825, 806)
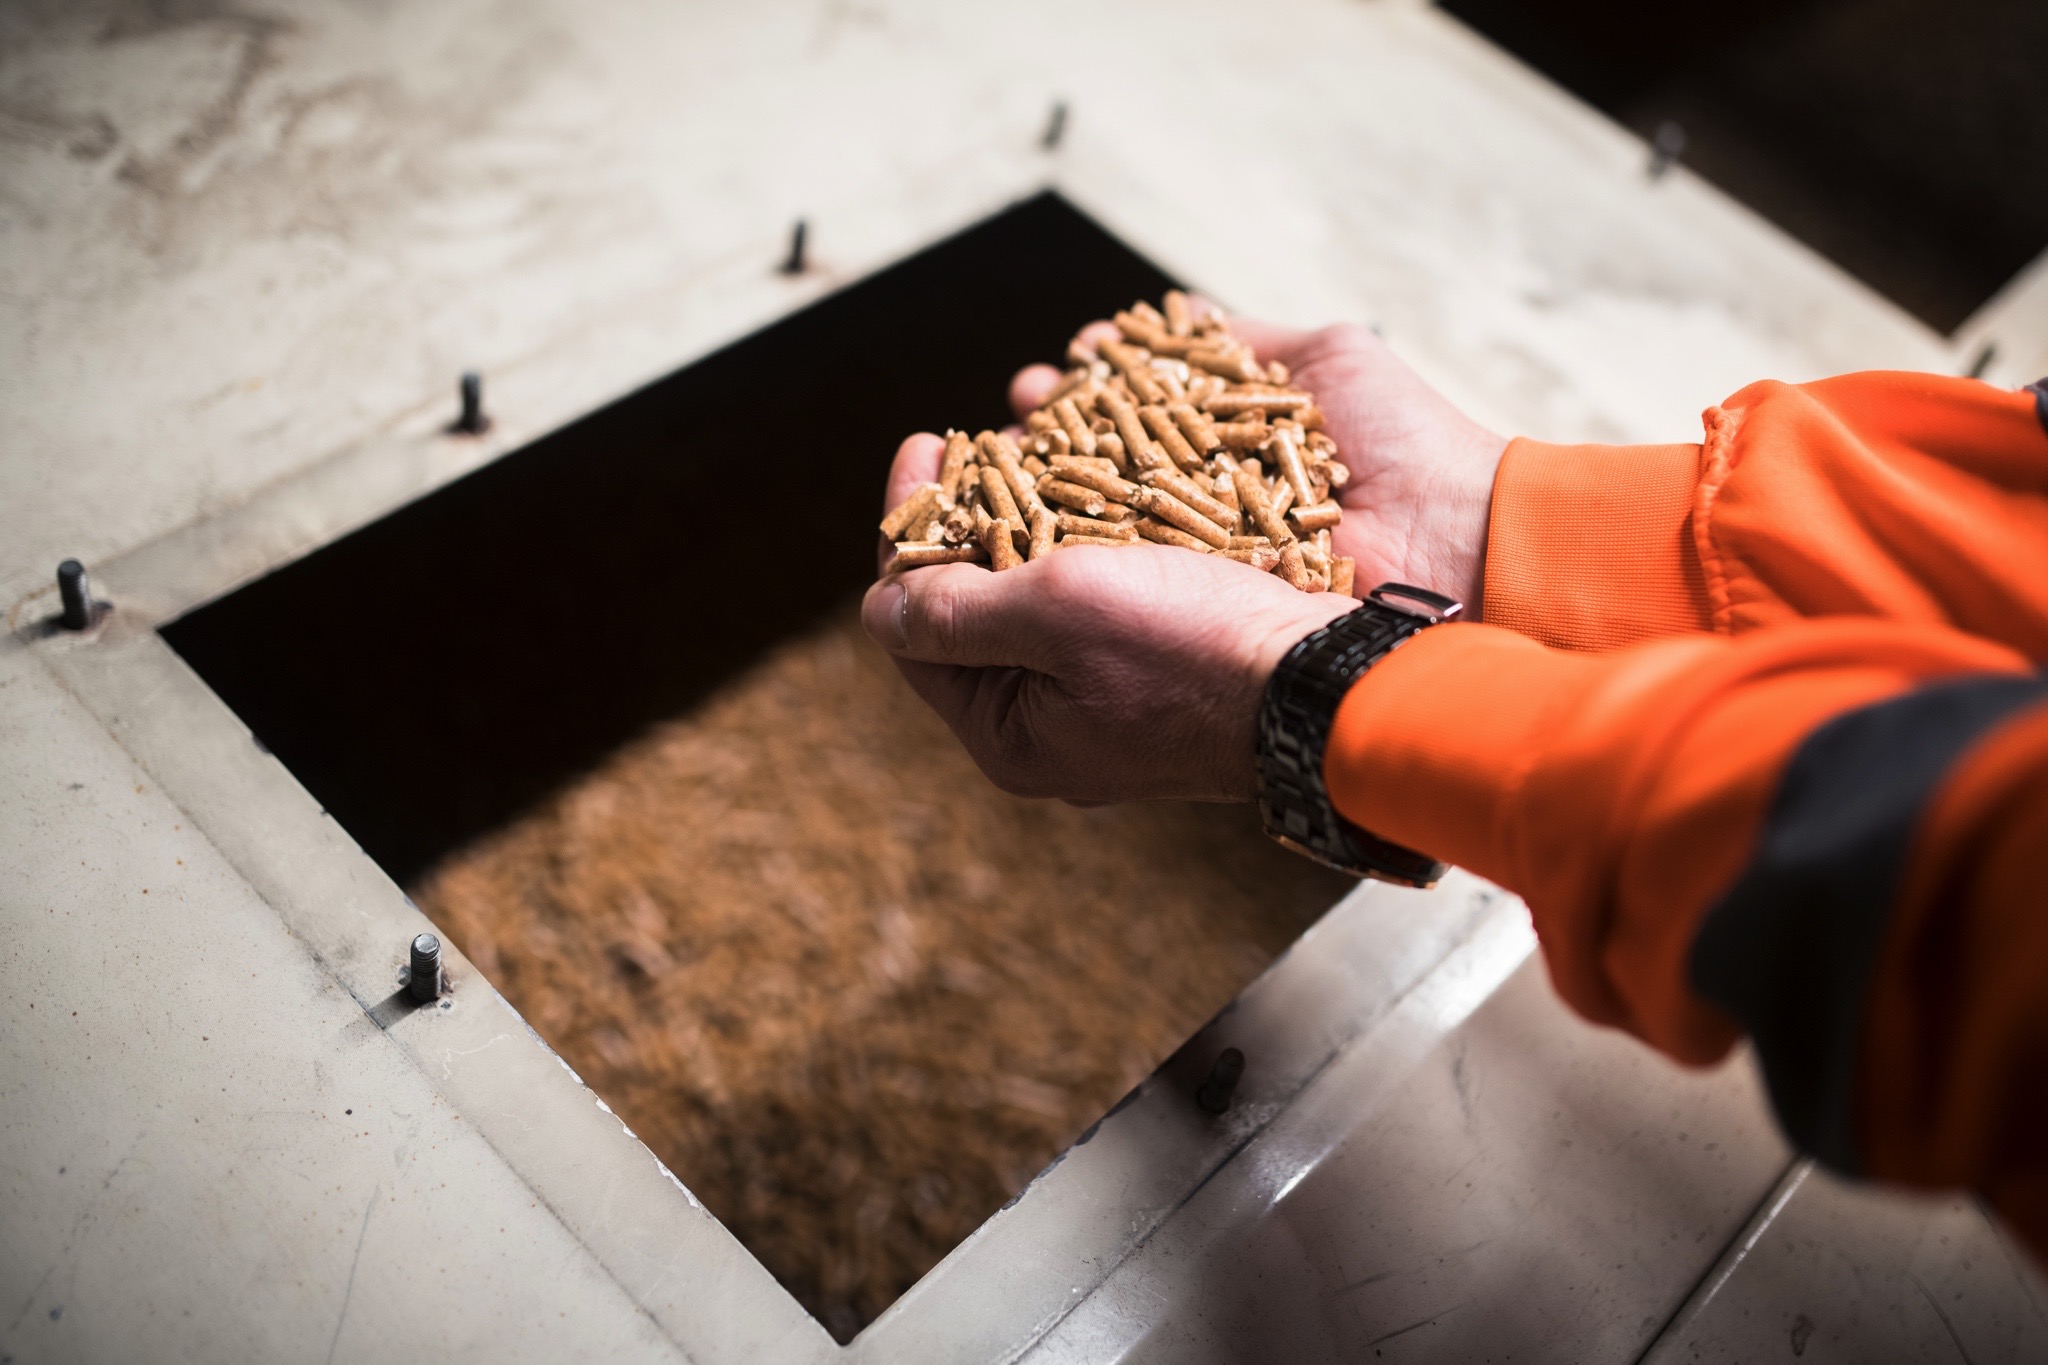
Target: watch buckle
(1440, 607)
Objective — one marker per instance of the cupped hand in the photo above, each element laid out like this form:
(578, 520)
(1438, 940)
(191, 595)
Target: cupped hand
(1094, 674)
(1421, 489)
(1134, 673)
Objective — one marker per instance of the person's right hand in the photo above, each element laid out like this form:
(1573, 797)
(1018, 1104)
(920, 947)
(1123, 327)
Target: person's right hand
(1421, 487)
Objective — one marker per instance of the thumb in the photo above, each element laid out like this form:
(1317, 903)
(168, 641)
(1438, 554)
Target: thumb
(956, 614)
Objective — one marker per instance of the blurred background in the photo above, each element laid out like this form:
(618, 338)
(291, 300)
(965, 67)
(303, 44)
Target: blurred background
(1903, 139)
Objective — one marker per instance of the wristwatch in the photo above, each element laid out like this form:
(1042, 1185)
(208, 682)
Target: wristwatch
(1295, 716)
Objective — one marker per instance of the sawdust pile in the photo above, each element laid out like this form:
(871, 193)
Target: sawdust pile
(850, 993)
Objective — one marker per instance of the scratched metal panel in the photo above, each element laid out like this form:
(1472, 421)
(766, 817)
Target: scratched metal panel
(1523, 1183)
(208, 1151)
(678, 1265)
(1836, 1272)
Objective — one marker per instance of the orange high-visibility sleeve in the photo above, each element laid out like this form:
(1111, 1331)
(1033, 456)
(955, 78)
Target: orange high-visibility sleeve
(1764, 749)
(1617, 793)
(1912, 497)
(1592, 547)
(1825, 835)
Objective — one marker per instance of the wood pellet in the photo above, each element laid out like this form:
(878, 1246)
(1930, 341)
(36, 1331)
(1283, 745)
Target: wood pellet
(1174, 433)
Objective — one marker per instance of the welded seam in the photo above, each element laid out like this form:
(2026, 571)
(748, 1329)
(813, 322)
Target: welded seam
(1734, 1252)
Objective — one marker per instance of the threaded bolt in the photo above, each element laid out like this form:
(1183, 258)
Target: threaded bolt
(1055, 127)
(425, 985)
(76, 592)
(1214, 1095)
(1665, 148)
(472, 421)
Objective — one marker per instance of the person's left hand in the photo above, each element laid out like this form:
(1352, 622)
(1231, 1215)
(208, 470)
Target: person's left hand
(1096, 673)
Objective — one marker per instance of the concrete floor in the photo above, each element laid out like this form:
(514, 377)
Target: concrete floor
(246, 249)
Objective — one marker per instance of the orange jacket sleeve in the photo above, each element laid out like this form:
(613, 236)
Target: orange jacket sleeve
(1766, 752)
(1913, 497)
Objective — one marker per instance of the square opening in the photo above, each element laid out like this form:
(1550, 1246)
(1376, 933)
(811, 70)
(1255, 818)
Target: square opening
(604, 710)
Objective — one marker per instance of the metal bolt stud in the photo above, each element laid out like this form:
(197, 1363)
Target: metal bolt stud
(796, 264)
(1055, 127)
(1982, 363)
(1214, 1095)
(472, 421)
(76, 593)
(425, 985)
(1665, 148)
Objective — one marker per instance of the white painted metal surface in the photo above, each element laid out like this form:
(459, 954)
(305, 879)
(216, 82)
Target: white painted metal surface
(1829, 1271)
(208, 1151)
(245, 251)
(1507, 1183)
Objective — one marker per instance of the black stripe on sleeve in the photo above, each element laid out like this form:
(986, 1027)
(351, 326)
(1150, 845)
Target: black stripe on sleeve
(1788, 951)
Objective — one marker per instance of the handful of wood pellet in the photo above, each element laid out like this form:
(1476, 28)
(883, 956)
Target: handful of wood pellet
(1175, 434)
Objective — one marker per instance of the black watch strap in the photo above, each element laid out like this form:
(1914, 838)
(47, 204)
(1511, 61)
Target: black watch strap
(1295, 717)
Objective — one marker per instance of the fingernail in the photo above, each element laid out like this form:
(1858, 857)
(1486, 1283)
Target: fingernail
(882, 614)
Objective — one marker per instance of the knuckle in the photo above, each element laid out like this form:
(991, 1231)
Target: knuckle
(932, 623)
(1065, 574)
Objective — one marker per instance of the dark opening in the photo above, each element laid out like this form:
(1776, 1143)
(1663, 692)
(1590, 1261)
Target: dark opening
(601, 708)
(573, 592)
(1900, 138)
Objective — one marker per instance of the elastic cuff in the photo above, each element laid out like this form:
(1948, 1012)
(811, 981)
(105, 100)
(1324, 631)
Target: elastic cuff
(1424, 748)
(1591, 547)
